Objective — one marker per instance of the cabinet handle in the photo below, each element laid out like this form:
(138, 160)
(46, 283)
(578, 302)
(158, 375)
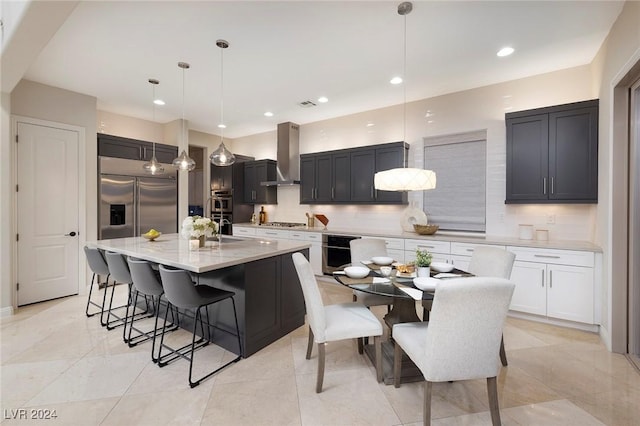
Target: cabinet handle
(431, 247)
(544, 186)
(140, 153)
(542, 272)
(546, 256)
(469, 249)
(333, 192)
(552, 184)
(550, 279)
(372, 192)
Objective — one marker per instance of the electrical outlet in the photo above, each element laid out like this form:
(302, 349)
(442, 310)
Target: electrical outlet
(551, 219)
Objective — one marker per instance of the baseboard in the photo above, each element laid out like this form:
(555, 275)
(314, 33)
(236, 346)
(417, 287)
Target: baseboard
(6, 312)
(593, 328)
(606, 338)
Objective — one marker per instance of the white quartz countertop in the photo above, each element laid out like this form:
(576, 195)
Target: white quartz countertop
(443, 236)
(172, 250)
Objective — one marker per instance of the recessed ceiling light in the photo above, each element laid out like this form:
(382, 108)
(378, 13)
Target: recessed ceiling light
(222, 126)
(268, 114)
(396, 80)
(323, 99)
(158, 102)
(505, 51)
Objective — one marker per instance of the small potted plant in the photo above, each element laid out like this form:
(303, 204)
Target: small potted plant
(423, 263)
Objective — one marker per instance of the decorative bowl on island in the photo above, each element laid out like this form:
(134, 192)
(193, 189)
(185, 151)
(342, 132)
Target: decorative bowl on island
(382, 260)
(441, 266)
(425, 229)
(356, 271)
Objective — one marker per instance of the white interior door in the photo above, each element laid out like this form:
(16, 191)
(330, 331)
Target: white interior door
(47, 212)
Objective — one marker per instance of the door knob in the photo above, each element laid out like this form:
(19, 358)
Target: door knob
(70, 234)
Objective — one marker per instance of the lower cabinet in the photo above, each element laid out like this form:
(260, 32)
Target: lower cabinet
(439, 249)
(550, 287)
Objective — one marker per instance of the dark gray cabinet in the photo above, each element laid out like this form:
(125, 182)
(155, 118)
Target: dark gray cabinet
(346, 176)
(222, 177)
(317, 180)
(552, 154)
(115, 146)
(256, 172)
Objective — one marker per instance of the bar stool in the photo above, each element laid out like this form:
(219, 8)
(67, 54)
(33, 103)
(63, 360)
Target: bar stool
(98, 266)
(145, 281)
(182, 293)
(120, 274)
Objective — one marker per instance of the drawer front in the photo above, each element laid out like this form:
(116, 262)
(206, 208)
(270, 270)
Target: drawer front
(273, 233)
(297, 235)
(315, 237)
(554, 256)
(432, 246)
(247, 232)
(466, 249)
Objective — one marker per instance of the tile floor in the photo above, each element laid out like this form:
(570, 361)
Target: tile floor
(54, 358)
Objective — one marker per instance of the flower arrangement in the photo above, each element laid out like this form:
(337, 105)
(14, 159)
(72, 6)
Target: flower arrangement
(197, 226)
(423, 258)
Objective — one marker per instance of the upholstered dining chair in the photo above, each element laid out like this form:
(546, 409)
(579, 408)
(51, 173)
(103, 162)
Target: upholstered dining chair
(461, 339)
(365, 249)
(334, 322)
(493, 262)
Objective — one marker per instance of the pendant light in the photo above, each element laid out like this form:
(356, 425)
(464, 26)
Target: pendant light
(183, 161)
(405, 179)
(222, 156)
(153, 167)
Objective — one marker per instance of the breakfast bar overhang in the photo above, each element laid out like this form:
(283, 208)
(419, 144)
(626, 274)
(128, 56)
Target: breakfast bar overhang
(268, 296)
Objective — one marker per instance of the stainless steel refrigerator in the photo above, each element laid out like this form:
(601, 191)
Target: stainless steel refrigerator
(132, 201)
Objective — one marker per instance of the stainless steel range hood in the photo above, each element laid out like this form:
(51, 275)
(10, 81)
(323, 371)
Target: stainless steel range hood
(288, 156)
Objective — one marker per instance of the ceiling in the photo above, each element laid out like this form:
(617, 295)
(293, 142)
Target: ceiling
(284, 53)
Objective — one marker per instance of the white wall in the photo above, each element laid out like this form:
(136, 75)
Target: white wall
(481, 108)
(6, 207)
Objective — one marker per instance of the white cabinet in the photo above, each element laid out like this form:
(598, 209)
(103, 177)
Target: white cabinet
(439, 249)
(395, 247)
(242, 231)
(273, 234)
(315, 251)
(554, 283)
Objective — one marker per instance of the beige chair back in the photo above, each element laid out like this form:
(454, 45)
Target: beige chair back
(312, 297)
(465, 329)
(491, 262)
(366, 248)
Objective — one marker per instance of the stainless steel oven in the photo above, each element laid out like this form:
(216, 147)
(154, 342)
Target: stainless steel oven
(222, 201)
(335, 251)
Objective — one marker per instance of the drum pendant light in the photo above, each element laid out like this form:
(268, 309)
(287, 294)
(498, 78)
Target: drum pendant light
(222, 156)
(183, 161)
(153, 167)
(404, 179)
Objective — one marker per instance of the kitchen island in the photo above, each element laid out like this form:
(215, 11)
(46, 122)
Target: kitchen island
(268, 296)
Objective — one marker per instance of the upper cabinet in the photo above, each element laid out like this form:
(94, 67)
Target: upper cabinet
(552, 154)
(115, 146)
(346, 176)
(256, 172)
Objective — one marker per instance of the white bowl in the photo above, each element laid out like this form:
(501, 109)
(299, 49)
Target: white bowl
(382, 260)
(425, 283)
(441, 266)
(356, 271)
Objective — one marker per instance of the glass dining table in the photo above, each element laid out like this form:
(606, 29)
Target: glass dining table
(403, 296)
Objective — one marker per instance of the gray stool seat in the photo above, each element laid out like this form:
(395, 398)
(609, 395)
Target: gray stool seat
(99, 267)
(182, 293)
(146, 282)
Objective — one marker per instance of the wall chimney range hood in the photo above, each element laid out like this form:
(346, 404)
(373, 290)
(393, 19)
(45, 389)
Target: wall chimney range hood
(288, 156)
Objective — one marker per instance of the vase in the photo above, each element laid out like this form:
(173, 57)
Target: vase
(423, 271)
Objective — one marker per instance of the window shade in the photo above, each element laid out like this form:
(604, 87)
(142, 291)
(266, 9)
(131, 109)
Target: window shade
(458, 202)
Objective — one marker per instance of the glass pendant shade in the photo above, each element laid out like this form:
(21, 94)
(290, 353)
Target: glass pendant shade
(405, 179)
(184, 162)
(222, 156)
(153, 167)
